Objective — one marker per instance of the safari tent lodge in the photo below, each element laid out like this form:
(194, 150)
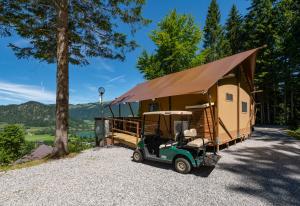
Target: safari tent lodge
(219, 95)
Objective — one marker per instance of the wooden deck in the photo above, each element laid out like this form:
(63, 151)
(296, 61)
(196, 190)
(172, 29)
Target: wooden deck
(126, 139)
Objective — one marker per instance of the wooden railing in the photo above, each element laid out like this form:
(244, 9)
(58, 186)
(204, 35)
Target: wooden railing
(130, 126)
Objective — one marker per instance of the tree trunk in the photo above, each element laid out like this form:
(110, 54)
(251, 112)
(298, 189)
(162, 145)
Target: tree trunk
(292, 105)
(268, 111)
(285, 104)
(62, 81)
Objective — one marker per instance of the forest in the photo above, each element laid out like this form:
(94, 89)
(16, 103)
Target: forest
(275, 24)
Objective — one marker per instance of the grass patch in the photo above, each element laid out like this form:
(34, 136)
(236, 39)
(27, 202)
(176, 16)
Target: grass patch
(45, 138)
(23, 165)
(5, 168)
(294, 133)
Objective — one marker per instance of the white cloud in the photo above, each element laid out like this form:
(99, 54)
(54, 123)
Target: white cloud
(24, 92)
(120, 78)
(106, 67)
(91, 88)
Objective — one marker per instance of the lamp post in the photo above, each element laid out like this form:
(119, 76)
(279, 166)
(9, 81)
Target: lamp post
(101, 92)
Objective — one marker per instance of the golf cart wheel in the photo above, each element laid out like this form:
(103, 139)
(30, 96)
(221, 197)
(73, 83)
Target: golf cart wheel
(182, 165)
(137, 156)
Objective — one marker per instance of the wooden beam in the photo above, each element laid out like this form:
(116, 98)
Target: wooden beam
(238, 79)
(214, 122)
(225, 128)
(170, 117)
(211, 137)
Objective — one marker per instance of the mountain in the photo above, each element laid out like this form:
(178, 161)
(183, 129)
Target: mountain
(39, 115)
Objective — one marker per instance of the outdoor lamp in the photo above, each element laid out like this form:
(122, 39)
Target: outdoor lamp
(101, 136)
(101, 91)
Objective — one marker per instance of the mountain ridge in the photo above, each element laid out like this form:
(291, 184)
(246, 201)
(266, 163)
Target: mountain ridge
(33, 113)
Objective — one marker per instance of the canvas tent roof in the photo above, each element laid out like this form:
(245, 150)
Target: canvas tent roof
(195, 80)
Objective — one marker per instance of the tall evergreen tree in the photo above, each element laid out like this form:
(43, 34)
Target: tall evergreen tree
(69, 31)
(259, 30)
(287, 24)
(177, 38)
(233, 30)
(214, 39)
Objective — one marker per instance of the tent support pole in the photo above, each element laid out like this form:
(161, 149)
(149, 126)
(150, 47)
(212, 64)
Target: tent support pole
(238, 79)
(214, 123)
(112, 113)
(131, 109)
(170, 117)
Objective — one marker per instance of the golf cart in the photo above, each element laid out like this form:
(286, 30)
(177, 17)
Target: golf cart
(185, 150)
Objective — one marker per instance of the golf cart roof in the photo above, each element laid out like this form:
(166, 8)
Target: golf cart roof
(168, 113)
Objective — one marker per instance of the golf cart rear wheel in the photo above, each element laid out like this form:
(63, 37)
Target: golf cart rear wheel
(182, 165)
(137, 156)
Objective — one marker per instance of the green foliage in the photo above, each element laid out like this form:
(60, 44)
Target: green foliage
(77, 144)
(92, 28)
(276, 24)
(177, 38)
(214, 37)
(11, 142)
(233, 30)
(295, 134)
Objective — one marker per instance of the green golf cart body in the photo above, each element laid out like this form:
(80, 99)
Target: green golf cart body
(185, 150)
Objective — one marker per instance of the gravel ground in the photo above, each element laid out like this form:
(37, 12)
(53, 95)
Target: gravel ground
(263, 170)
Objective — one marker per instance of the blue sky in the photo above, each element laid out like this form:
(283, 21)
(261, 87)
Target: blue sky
(24, 80)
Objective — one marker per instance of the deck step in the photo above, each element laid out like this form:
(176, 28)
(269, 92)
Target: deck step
(125, 139)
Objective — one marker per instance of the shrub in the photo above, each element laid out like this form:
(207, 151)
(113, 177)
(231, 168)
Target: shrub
(12, 139)
(77, 144)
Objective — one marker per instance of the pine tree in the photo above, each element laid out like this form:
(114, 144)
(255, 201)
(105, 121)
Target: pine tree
(214, 38)
(259, 30)
(69, 31)
(233, 30)
(177, 38)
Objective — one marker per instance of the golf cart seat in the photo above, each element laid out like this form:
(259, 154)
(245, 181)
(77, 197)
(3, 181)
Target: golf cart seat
(197, 142)
(194, 140)
(190, 134)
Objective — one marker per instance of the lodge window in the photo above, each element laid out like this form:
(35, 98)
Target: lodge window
(244, 107)
(153, 107)
(229, 97)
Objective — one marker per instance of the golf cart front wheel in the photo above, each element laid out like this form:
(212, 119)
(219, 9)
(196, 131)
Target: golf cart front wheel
(137, 156)
(182, 165)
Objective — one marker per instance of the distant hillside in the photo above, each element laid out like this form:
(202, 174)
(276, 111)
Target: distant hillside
(38, 114)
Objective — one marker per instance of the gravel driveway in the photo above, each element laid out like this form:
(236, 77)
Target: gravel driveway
(264, 170)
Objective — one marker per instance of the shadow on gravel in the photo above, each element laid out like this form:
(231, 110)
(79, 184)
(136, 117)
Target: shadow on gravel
(273, 171)
(203, 171)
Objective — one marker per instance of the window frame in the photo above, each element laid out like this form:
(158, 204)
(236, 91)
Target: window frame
(153, 107)
(244, 106)
(227, 94)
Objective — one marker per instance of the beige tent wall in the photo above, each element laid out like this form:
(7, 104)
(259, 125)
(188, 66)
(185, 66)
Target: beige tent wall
(245, 117)
(227, 110)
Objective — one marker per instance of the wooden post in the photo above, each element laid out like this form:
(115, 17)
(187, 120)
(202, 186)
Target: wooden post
(238, 102)
(213, 119)
(112, 132)
(170, 117)
(137, 132)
